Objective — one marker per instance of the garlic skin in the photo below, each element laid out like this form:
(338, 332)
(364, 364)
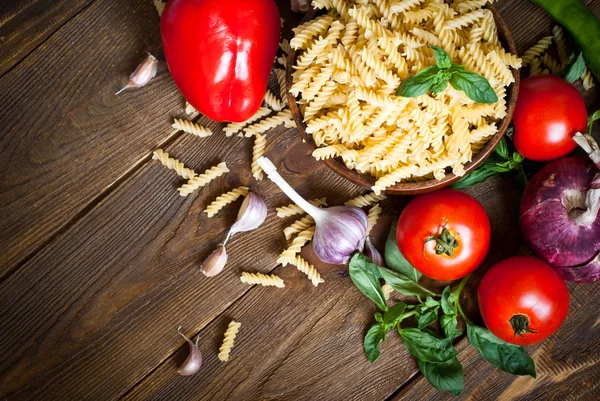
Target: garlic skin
(372, 253)
(143, 73)
(193, 362)
(341, 230)
(215, 262)
(300, 6)
(251, 215)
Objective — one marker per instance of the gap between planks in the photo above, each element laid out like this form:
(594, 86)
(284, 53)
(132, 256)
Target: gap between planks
(25, 56)
(169, 140)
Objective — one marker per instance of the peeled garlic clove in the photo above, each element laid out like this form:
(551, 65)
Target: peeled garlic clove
(252, 214)
(372, 253)
(215, 263)
(193, 362)
(143, 73)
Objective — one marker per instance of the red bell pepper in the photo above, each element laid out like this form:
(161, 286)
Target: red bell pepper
(220, 53)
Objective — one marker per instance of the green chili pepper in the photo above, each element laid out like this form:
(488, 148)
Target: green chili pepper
(583, 25)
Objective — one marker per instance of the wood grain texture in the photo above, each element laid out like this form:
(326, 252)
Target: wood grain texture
(92, 312)
(64, 135)
(24, 25)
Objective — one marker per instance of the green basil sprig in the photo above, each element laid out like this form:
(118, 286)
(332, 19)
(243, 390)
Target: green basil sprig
(395, 260)
(436, 78)
(436, 356)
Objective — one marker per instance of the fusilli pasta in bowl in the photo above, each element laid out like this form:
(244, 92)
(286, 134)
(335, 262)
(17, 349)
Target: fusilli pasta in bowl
(350, 57)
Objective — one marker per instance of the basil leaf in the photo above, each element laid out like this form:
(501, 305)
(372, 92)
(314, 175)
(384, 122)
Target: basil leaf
(395, 260)
(403, 284)
(374, 337)
(502, 149)
(365, 276)
(573, 72)
(594, 117)
(445, 376)
(510, 358)
(392, 315)
(426, 347)
(378, 317)
(427, 318)
(442, 59)
(447, 303)
(449, 324)
(521, 178)
(431, 303)
(419, 84)
(474, 85)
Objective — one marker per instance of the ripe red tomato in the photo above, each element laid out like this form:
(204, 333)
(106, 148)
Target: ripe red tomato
(444, 234)
(548, 113)
(523, 300)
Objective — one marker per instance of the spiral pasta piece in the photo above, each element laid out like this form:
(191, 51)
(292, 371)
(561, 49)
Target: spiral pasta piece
(260, 142)
(203, 179)
(225, 199)
(535, 67)
(280, 74)
(292, 209)
(587, 79)
(537, 50)
(173, 164)
(328, 152)
(387, 291)
(373, 217)
(228, 340)
(233, 128)
(365, 200)
(266, 280)
(283, 117)
(561, 44)
(299, 241)
(308, 269)
(285, 46)
(317, 27)
(189, 109)
(191, 128)
(272, 101)
(298, 226)
(304, 79)
(319, 101)
(404, 5)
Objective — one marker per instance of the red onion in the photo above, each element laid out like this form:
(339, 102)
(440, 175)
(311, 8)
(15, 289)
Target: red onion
(300, 6)
(560, 216)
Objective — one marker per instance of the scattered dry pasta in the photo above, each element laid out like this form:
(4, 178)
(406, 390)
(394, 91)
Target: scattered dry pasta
(228, 340)
(308, 269)
(298, 226)
(373, 216)
(301, 239)
(191, 128)
(587, 78)
(260, 141)
(224, 200)
(233, 128)
(203, 179)
(283, 117)
(160, 6)
(293, 209)
(537, 50)
(365, 200)
(272, 101)
(189, 109)
(352, 60)
(387, 291)
(270, 280)
(173, 164)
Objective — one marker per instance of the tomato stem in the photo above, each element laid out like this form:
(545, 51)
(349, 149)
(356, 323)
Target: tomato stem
(520, 325)
(444, 242)
(461, 285)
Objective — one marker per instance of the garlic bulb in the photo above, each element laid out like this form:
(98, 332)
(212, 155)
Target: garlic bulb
(340, 230)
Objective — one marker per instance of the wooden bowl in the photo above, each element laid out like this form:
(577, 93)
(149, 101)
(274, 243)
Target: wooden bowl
(412, 188)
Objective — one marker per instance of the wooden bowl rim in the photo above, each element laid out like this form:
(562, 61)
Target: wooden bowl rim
(412, 188)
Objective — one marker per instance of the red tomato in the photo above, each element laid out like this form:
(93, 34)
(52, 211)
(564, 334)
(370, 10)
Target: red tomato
(523, 300)
(549, 112)
(220, 53)
(444, 234)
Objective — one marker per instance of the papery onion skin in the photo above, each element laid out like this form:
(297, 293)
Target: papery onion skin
(339, 233)
(548, 226)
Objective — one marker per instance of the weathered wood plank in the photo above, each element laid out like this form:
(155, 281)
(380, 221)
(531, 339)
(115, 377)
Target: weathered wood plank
(25, 24)
(314, 361)
(64, 136)
(567, 365)
(101, 302)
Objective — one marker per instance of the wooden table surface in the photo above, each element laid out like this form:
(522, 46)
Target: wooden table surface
(100, 255)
